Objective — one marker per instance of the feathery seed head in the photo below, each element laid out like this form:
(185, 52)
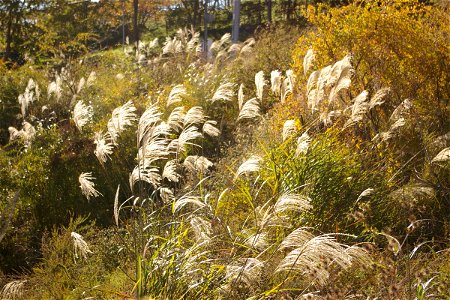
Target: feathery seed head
(275, 80)
(176, 118)
(176, 95)
(87, 185)
(359, 109)
(253, 164)
(302, 144)
(260, 83)
(308, 60)
(210, 128)
(80, 246)
(146, 172)
(148, 119)
(195, 201)
(170, 171)
(82, 114)
(379, 97)
(194, 115)
(442, 156)
(200, 164)
(166, 195)
(103, 148)
(122, 117)
(292, 202)
(224, 92)
(289, 129)
(250, 110)
(13, 290)
(241, 96)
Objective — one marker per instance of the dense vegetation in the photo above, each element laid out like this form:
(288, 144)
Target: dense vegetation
(309, 161)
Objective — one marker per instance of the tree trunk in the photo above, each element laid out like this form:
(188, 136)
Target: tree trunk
(236, 21)
(196, 13)
(135, 23)
(269, 11)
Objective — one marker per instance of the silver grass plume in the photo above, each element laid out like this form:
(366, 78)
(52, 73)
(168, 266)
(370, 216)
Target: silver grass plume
(82, 114)
(275, 80)
(359, 109)
(291, 77)
(258, 241)
(81, 84)
(148, 119)
(292, 202)
(202, 229)
(441, 141)
(122, 117)
(392, 132)
(308, 60)
(185, 138)
(80, 246)
(172, 46)
(87, 185)
(327, 117)
(316, 87)
(286, 88)
(170, 171)
(224, 92)
(154, 43)
(289, 129)
(302, 144)
(241, 96)
(116, 206)
(176, 118)
(246, 270)
(176, 95)
(146, 172)
(340, 77)
(13, 290)
(91, 79)
(401, 110)
(194, 164)
(379, 97)
(299, 236)
(27, 133)
(442, 156)
(253, 164)
(193, 42)
(166, 195)
(210, 128)
(31, 94)
(260, 83)
(194, 115)
(311, 257)
(247, 47)
(55, 87)
(195, 201)
(216, 46)
(103, 147)
(250, 110)
(161, 130)
(153, 148)
(365, 193)
(234, 50)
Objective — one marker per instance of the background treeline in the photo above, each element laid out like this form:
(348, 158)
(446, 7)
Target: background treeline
(46, 29)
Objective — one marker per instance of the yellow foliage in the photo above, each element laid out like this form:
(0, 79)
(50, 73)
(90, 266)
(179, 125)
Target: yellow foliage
(401, 44)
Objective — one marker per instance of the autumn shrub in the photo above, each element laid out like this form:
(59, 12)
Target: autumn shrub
(402, 45)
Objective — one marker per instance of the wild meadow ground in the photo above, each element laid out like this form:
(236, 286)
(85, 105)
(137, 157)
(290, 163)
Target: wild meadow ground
(306, 163)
